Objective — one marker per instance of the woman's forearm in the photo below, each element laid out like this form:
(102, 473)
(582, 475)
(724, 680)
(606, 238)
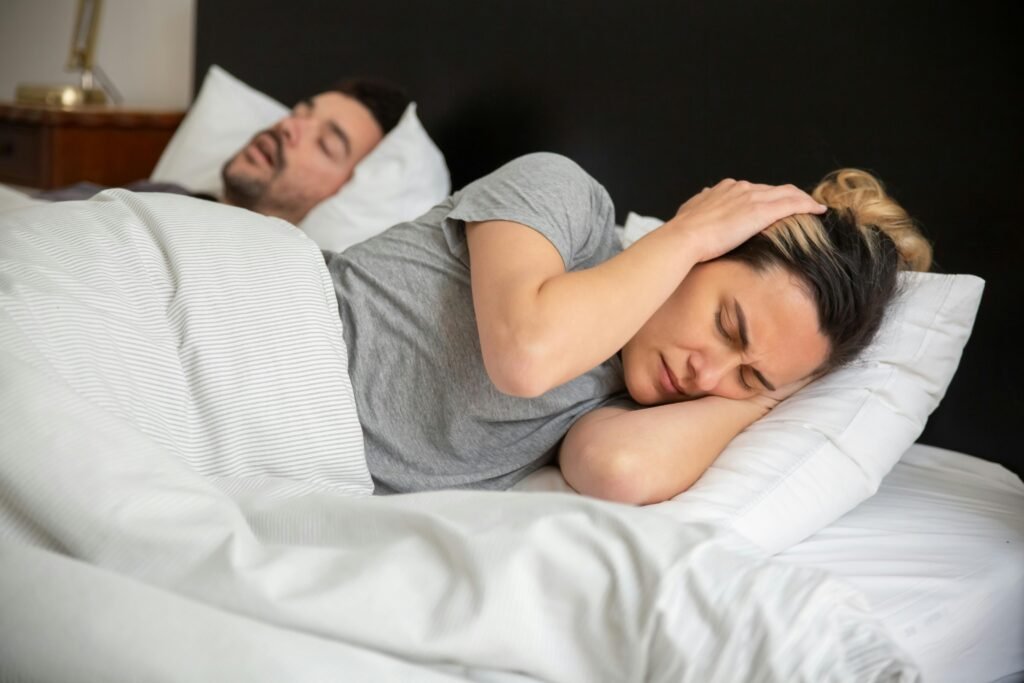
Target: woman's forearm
(651, 454)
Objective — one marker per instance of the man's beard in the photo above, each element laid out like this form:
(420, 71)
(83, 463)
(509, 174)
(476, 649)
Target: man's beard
(244, 190)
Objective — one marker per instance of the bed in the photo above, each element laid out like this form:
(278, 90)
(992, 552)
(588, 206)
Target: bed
(182, 460)
(122, 543)
(157, 461)
(938, 553)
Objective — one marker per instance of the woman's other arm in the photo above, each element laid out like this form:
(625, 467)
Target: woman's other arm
(648, 455)
(651, 454)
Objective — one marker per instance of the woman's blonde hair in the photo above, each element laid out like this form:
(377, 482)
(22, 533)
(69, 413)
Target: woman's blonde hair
(848, 257)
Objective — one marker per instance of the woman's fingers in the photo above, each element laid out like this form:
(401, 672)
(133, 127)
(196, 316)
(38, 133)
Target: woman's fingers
(733, 211)
(767, 193)
(791, 197)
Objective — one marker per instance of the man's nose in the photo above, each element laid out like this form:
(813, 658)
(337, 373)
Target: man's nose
(290, 128)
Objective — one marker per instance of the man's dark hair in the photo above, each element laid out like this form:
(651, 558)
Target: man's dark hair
(386, 101)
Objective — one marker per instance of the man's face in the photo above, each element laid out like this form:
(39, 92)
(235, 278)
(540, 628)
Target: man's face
(303, 159)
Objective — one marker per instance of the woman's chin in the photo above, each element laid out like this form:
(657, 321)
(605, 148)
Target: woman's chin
(644, 395)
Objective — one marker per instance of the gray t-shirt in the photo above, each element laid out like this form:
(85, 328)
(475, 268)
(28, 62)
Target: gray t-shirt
(431, 417)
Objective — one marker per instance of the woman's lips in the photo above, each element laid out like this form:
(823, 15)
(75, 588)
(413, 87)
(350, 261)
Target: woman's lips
(668, 382)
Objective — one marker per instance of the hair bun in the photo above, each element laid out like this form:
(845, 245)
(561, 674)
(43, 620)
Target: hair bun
(864, 198)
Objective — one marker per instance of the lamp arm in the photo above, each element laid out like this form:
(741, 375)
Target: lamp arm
(83, 34)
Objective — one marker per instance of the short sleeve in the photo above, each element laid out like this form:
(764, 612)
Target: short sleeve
(548, 193)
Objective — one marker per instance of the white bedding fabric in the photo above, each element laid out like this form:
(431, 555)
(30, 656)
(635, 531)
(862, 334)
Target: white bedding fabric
(181, 318)
(939, 552)
(123, 556)
(14, 198)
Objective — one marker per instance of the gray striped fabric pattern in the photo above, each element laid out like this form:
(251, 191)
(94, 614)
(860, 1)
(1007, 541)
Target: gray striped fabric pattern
(211, 330)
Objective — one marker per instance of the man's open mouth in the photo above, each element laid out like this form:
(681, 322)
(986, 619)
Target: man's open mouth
(267, 147)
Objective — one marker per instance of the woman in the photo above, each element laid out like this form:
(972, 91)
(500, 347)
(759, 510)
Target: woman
(505, 326)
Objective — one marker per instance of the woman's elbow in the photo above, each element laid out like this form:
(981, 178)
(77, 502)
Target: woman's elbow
(619, 476)
(518, 371)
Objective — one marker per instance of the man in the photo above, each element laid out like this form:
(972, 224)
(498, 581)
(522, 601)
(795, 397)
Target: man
(307, 156)
(303, 159)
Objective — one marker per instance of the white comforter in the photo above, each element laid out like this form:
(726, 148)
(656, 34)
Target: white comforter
(155, 525)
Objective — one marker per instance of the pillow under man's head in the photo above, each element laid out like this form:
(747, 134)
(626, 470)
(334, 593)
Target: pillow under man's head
(342, 165)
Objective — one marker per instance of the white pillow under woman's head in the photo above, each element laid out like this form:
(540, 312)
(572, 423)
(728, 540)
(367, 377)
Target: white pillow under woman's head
(343, 165)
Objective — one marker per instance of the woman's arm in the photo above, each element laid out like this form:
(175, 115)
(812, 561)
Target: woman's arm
(541, 326)
(651, 454)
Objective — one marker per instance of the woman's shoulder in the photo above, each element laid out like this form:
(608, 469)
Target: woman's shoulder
(548, 167)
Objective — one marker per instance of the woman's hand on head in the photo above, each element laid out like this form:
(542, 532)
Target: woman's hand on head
(722, 217)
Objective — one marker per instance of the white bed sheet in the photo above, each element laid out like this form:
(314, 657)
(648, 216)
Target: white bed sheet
(939, 551)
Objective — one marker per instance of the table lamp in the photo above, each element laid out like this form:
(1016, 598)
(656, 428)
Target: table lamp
(80, 58)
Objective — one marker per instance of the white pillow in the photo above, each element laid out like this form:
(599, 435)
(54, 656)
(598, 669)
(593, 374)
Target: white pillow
(403, 177)
(636, 227)
(826, 449)
(400, 179)
(223, 118)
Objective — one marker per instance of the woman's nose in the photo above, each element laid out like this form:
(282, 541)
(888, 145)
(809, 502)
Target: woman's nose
(708, 370)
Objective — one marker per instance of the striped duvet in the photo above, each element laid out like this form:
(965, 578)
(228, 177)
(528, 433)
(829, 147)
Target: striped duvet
(212, 330)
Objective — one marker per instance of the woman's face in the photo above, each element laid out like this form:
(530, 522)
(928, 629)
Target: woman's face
(728, 331)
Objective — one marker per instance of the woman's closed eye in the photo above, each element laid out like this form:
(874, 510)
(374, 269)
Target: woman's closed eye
(720, 327)
(732, 341)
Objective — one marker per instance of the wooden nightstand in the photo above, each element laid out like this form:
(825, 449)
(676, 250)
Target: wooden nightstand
(49, 147)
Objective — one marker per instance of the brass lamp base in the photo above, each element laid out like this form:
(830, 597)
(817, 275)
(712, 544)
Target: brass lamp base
(59, 95)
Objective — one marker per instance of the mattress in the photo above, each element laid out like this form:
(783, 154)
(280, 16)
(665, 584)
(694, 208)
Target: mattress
(939, 552)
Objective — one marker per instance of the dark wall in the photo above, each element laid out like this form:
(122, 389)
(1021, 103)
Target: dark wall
(659, 99)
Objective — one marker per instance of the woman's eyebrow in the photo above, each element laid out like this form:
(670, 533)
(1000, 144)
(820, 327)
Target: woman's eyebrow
(741, 327)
